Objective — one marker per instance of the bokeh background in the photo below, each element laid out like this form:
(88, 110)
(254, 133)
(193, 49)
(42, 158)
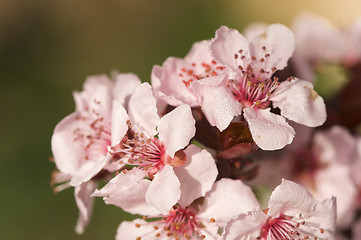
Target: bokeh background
(47, 48)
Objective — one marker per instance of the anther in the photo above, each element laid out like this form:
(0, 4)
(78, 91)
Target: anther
(212, 220)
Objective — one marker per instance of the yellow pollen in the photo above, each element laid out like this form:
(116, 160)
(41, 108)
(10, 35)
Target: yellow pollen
(212, 220)
(313, 94)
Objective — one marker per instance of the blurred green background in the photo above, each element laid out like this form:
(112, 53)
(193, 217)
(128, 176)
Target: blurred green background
(47, 48)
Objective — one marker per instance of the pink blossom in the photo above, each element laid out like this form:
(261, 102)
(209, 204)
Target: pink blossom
(161, 159)
(81, 141)
(292, 214)
(252, 64)
(174, 83)
(200, 219)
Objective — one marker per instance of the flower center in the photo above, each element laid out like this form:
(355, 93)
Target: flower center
(179, 223)
(198, 71)
(253, 83)
(145, 153)
(94, 134)
(283, 227)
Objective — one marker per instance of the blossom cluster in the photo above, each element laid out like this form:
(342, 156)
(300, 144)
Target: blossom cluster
(189, 151)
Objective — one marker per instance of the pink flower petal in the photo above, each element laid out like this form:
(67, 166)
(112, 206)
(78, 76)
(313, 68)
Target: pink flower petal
(322, 223)
(168, 85)
(269, 131)
(85, 204)
(89, 169)
(227, 199)
(254, 30)
(68, 154)
(128, 230)
(290, 199)
(335, 180)
(119, 122)
(127, 191)
(245, 226)
(300, 103)
(196, 176)
(164, 190)
(199, 53)
(336, 145)
(176, 129)
(143, 111)
(226, 43)
(279, 42)
(96, 95)
(210, 230)
(218, 103)
(125, 85)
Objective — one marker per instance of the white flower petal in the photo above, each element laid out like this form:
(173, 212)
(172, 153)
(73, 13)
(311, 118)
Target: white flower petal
(176, 129)
(119, 124)
(245, 226)
(96, 95)
(291, 199)
(269, 131)
(125, 85)
(226, 43)
(322, 222)
(196, 176)
(128, 230)
(300, 103)
(68, 154)
(164, 190)
(85, 204)
(143, 110)
(218, 104)
(279, 42)
(227, 199)
(127, 191)
(89, 169)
